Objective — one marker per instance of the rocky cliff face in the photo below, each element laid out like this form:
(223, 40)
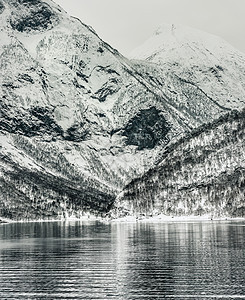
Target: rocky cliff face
(202, 174)
(76, 111)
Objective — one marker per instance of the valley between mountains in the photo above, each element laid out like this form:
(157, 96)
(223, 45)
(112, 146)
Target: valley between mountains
(86, 131)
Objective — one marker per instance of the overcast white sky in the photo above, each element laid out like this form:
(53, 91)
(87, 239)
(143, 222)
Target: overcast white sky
(125, 24)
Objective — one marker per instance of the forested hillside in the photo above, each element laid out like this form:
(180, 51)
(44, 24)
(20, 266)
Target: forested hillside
(202, 174)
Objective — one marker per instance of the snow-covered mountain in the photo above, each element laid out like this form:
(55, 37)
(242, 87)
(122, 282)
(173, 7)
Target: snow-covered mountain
(202, 174)
(78, 120)
(199, 73)
(198, 59)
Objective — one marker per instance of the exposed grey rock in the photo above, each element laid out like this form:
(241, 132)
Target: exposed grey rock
(146, 129)
(32, 16)
(1, 7)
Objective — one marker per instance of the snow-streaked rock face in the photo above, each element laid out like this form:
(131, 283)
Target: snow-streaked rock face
(202, 174)
(77, 110)
(67, 99)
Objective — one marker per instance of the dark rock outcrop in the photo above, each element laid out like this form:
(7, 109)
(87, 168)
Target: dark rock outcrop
(1, 7)
(35, 121)
(78, 132)
(147, 129)
(38, 16)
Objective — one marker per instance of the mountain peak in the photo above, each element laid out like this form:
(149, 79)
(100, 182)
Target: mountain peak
(168, 37)
(165, 28)
(198, 58)
(177, 28)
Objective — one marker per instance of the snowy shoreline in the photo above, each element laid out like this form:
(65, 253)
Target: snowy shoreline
(165, 218)
(132, 219)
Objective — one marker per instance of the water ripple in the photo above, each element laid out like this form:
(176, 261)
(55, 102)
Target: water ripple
(122, 261)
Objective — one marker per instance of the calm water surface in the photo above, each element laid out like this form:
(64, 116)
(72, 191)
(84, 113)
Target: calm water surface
(77, 260)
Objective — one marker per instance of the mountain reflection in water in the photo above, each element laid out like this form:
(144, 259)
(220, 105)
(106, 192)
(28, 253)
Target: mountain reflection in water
(79, 260)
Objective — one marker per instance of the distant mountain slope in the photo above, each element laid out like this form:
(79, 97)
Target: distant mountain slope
(73, 105)
(197, 59)
(203, 173)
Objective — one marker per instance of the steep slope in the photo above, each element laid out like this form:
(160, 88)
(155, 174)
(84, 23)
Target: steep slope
(80, 111)
(65, 96)
(38, 182)
(201, 174)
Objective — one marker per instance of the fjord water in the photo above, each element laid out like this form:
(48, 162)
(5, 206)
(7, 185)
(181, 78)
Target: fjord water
(93, 260)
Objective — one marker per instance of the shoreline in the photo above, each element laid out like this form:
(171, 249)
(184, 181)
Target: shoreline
(165, 218)
(131, 219)
(69, 219)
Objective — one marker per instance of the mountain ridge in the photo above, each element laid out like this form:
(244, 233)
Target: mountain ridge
(74, 108)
